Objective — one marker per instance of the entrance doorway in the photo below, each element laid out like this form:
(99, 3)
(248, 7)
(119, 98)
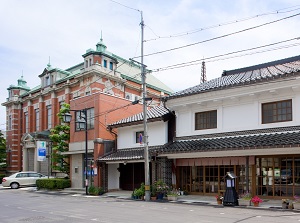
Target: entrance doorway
(131, 175)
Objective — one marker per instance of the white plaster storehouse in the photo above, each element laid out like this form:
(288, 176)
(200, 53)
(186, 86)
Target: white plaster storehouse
(248, 122)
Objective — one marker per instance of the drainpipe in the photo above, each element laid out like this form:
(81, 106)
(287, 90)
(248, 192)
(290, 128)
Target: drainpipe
(247, 173)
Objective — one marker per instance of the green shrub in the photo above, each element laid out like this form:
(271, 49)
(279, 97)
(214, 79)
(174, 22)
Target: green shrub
(53, 183)
(95, 190)
(139, 192)
(63, 183)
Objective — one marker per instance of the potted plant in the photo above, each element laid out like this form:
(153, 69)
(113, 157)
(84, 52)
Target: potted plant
(153, 192)
(219, 199)
(172, 195)
(296, 202)
(138, 193)
(256, 200)
(135, 194)
(161, 189)
(245, 199)
(285, 203)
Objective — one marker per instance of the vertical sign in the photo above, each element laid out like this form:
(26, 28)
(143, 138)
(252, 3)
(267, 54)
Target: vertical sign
(41, 150)
(141, 138)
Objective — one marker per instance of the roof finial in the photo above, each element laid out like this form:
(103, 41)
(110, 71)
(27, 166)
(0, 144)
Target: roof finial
(49, 65)
(100, 45)
(22, 82)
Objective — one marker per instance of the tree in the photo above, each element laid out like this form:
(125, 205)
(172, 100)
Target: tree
(3, 163)
(60, 136)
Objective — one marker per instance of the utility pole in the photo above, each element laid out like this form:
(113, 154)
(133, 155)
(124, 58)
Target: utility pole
(203, 73)
(146, 152)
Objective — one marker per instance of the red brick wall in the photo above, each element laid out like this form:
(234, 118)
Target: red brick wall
(98, 59)
(102, 103)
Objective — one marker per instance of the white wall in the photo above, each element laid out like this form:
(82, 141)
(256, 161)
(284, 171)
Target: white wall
(157, 132)
(113, 176)
(237, 109)
(240, 116)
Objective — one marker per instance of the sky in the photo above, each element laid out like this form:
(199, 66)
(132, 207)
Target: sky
(175, 32)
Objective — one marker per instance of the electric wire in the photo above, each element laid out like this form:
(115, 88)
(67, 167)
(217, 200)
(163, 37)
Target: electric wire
(219, 37)
(125, 5)
(118, 84)
(214, 60)
(219, 25)
(226, 54)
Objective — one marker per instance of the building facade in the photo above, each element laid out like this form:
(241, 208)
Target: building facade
(125, 167)
(104, 84)
(247, 122)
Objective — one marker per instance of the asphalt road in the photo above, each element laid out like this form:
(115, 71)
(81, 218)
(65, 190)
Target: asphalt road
(29, 206)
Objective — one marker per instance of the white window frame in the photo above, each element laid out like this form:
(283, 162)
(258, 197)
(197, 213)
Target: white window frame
(49, 117)
(37, 119)
(26, 122)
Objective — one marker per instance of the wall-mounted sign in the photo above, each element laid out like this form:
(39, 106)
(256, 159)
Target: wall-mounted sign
(41, 150)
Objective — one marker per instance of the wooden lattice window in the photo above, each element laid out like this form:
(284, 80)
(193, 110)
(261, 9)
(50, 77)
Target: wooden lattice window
(206, 120)
(279, 111)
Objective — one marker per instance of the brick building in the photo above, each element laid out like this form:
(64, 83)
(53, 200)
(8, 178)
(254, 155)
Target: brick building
(104, 84)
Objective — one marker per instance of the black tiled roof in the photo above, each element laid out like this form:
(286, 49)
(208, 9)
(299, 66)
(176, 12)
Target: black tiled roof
(245, 76)
(251, 139)
(283, 139)
(125, 154)
(153, 114)
(244, 132)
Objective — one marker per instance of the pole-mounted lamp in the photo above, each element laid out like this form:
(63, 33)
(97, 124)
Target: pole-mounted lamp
(81, 123)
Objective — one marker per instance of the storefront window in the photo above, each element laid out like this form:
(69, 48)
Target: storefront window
(203, 179)
(242, 187)
(278, 176)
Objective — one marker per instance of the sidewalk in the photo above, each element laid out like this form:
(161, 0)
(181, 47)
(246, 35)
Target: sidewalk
(269, 204)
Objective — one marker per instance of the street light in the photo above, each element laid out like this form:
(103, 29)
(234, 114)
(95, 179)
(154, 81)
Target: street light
(81, 124)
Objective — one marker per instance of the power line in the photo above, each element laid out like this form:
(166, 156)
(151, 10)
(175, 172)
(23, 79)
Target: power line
(125, 5)
(211, 59)
(219, 37)
(118, 84)
(226, 54)
(117, 66)
(262, 51)
(219, 25)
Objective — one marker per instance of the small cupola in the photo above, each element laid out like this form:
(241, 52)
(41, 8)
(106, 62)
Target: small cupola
(22, 83)
(100, 47)
(15, 91)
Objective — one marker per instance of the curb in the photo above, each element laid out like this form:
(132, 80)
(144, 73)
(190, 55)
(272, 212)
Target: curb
(180, 201)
